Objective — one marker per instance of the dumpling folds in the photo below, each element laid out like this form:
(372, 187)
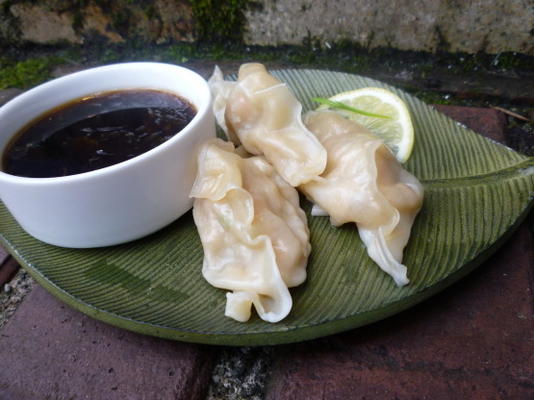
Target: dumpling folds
(365, 184)
(263, 114)
(253, 231)
(221, 90)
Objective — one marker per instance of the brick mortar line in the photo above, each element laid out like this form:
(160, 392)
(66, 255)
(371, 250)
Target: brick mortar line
(241, 373)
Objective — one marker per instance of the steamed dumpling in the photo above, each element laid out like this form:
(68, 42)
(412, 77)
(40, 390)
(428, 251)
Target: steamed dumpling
(364, 183)
(254, 234)
(263, 114)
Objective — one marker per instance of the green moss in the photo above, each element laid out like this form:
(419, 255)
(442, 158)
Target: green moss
(150, 11)
(26, 73)
(219, 21)
(431, 97)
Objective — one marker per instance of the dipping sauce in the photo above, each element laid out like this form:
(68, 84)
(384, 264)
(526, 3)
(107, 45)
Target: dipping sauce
(95, 132)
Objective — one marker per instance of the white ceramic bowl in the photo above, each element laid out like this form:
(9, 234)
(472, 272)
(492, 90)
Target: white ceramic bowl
(121, 202)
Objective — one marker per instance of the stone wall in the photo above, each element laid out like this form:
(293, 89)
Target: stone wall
(469, 26)
(490, 26)
(81, 21)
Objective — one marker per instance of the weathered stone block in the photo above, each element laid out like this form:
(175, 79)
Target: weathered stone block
(51, 22)
(41, 25)
(469, 26)
(490, 26)
(176, 20)
(96, 21)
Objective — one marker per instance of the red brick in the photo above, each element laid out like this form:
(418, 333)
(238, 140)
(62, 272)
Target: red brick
(383, 383)
(50, 351)
(3, 255)
(8, 269)
(474, 340)
(486, 121)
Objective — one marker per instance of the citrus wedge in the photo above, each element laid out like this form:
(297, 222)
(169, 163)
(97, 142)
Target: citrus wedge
(392, 123)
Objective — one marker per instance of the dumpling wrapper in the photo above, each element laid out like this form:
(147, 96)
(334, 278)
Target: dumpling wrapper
(254, 234)
(364, 183)
(265, 117)
(221, 90)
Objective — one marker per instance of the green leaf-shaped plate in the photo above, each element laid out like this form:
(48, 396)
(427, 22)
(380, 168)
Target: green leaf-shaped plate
(477, 191)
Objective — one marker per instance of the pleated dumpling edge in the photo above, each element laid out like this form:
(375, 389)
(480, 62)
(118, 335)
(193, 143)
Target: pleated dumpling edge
(363, 183)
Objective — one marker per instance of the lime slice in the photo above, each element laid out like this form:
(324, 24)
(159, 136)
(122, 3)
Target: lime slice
(396, 130)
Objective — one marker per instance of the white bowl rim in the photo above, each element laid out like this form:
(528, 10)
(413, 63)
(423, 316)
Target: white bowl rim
(180, 136)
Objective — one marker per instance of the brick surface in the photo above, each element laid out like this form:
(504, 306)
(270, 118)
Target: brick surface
(474, 340)
(8, 269)
(486, 121)
(50, 351)
(3, 255)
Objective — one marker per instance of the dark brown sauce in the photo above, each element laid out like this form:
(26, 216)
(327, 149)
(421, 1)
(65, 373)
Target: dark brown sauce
(95, 132)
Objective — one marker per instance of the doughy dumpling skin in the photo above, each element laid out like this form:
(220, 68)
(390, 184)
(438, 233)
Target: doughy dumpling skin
(220, 90)
(263, 114)
(365, 184)
(254, 234)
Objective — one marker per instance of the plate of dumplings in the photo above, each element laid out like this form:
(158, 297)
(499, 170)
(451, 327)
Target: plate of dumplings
(304, 224)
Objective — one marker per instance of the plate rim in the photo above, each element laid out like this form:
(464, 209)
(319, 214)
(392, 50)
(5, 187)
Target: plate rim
(294, 335)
